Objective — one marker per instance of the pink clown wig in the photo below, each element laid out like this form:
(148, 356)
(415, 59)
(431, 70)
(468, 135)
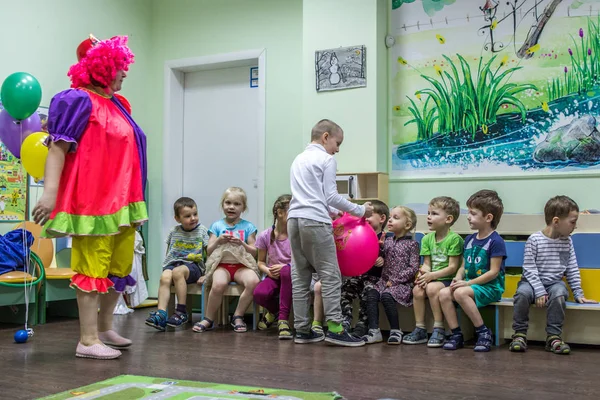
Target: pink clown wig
(101, 62)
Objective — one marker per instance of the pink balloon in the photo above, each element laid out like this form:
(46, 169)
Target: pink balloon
(356, 244)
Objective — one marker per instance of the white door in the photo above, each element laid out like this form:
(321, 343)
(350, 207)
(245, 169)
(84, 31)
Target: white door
(221, 140)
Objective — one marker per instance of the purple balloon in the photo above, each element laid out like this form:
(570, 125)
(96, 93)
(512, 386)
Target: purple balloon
(13, 132)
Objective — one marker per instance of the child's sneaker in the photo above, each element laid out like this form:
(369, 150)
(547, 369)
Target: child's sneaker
(437, 339)
(395, 336)
(347, 324)
(518, 343)
(456, 341)
(285, 333)
(360, 330)
(484, 341)
(556, 345)
(157, 320)
(418, 336)
(344, 339)
(317, 330)
(310, 337)
(177, 320)
(266, 321)
(373, 336)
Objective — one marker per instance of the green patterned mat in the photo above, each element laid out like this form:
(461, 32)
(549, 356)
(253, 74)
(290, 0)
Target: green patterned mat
(130, 387)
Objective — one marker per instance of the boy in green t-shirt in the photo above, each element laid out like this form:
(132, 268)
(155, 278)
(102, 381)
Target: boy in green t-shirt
(442, 251)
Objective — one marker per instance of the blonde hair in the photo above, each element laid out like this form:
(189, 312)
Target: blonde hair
(411, 215)
(236, 191)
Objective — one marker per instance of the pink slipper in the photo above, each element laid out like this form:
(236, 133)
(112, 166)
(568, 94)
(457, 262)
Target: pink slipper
(112, 338)
(96, 351)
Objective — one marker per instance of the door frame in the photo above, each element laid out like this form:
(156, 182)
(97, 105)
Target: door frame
(172, 165)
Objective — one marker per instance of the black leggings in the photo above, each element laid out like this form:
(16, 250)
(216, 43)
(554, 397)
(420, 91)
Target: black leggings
(389, 305)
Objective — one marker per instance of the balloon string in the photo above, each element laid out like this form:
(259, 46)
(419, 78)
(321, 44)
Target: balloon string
(26, 250)
(25, 247)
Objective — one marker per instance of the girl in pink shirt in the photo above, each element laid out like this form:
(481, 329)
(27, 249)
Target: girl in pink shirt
(274, 258)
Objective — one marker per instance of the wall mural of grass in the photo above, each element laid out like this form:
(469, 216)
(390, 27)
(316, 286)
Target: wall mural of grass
(463, 102)
(517, 93)
(583, 73)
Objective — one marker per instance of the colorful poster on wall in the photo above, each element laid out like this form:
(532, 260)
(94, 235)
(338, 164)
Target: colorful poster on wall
(13, 188)
(495, 88)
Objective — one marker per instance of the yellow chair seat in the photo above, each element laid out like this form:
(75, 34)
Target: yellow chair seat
(589, 284)
(59, 273)
(16, 277)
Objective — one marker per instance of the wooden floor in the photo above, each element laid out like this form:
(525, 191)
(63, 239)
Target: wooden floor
(47, 365)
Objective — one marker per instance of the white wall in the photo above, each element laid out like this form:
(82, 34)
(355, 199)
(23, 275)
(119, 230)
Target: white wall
(338, 23)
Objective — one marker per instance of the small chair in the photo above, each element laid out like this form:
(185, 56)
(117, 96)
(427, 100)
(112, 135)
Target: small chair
(58, 276)
(13, 286)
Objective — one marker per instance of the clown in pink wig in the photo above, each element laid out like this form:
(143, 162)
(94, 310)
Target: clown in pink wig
(99, 62)
(94, 187)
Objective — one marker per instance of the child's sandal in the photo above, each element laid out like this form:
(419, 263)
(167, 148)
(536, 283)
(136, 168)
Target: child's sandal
(239, 327)
(177, 319)
(518, 343)
(556, 345)
(395, 337)
(266, 321)
(284, 330)
(199, 327)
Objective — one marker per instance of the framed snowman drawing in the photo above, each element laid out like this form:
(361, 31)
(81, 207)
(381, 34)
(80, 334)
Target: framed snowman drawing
(341, 68)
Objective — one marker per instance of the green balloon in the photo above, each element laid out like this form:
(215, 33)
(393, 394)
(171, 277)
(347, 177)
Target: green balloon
(21, 95)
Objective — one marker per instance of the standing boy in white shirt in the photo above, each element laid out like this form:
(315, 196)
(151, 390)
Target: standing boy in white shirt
(314, 193)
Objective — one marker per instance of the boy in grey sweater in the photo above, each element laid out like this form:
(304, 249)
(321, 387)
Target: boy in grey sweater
(549, 255)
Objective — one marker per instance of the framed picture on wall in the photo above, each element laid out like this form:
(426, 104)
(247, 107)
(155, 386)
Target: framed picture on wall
(476, 97)
(342, 68)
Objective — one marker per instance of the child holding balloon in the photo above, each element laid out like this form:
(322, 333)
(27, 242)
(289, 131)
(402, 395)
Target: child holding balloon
(401, 263)
(312, 179)
(356, 287)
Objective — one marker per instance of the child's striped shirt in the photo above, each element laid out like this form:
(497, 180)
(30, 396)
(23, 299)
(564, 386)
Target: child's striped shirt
(547, 260)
